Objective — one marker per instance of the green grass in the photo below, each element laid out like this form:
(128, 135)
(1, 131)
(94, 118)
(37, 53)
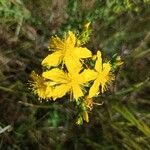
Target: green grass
(122, 122)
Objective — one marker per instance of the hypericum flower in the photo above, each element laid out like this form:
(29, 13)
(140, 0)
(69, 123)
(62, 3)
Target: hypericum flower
(68, 82)
(40, 86)
(103, 76)
(67, 52)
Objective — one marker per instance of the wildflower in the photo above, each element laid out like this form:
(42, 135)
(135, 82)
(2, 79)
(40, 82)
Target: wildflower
(68, 82)
(103, 76)
(66, 73)
(67, 52)
(40, 87)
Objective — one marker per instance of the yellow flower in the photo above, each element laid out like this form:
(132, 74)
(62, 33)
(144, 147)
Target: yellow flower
(40, 86)
(68, 82)
(67, 52)
(103, 76)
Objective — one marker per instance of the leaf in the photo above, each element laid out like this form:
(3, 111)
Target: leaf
(135, 122)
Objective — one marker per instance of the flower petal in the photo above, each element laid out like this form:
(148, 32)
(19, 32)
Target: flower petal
(77, 92)
(49, 92)
(98, 64)
(53, 59)
(80, 52)
(105, 76)
(94, 89)
(56, 75)
(70, 40)
(106, 68)
(60, 91)
(73, 64)
(88, 75)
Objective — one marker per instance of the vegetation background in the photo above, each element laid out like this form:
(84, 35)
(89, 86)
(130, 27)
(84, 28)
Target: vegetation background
(119, 26)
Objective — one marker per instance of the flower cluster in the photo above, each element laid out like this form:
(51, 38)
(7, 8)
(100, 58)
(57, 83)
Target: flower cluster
(71, 69)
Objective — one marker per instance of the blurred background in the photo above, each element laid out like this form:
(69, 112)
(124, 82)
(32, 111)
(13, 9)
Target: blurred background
(119, 26)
